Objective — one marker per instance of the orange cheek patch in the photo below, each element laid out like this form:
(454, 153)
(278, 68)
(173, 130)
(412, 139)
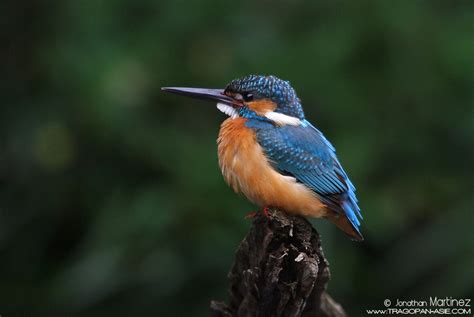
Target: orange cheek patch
(261, 107)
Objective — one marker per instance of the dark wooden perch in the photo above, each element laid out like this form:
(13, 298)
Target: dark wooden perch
(279, 270)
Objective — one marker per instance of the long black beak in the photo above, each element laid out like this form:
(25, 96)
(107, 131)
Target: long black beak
(201, 93)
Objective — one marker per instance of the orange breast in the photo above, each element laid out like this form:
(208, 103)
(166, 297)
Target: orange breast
(247, 170)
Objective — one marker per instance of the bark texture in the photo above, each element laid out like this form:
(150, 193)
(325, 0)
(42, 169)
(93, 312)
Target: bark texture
(279, 270)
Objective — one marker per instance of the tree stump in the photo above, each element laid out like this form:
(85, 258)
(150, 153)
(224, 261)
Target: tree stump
(279, 270)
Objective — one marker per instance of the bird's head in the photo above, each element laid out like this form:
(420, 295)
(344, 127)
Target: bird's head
(255, 97)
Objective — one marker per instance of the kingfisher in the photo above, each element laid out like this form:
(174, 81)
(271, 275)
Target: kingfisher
(269, 152)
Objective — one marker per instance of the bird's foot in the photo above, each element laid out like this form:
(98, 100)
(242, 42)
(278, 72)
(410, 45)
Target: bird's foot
(266, 211)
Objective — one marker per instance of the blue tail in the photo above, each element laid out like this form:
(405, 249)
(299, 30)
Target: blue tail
(352, 212)
(347, 214)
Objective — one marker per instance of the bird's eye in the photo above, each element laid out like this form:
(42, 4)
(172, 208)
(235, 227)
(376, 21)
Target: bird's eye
(247, 96)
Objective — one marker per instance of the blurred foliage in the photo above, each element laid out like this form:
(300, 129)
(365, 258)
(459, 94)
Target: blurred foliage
(111, 200)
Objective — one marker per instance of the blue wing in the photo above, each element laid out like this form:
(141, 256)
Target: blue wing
(304, 152)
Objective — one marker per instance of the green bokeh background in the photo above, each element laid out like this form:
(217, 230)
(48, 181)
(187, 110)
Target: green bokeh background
(111, 199)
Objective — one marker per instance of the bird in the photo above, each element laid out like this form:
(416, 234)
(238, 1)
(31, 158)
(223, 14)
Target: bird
(269, 152)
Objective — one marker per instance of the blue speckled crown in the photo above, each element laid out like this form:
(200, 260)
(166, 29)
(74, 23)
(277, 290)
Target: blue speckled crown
(271, 87)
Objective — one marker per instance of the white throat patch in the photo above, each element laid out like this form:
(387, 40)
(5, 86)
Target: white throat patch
(228, 110)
